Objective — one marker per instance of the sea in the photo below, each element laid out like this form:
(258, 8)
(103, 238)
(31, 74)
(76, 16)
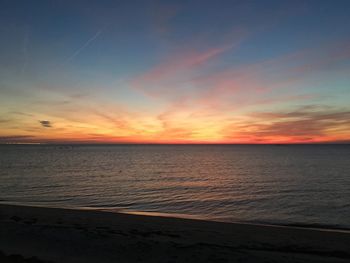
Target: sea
(300, 185)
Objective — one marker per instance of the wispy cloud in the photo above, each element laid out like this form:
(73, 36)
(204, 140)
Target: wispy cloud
(119, 122)
(174, 70)
(21, 113)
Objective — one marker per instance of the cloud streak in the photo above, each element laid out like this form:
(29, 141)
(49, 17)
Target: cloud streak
(307, 124)
(16, 138)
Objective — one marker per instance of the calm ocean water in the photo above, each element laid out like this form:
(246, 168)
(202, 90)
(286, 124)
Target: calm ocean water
(297, 184)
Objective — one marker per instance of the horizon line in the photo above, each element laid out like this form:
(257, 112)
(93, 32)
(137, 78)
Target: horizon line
(129, 143)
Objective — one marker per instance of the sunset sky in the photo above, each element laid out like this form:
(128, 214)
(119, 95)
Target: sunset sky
(174, 71)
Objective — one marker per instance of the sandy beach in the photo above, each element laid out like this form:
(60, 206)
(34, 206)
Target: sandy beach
(32, 234)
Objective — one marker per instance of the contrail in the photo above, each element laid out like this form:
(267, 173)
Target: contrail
(87, 43)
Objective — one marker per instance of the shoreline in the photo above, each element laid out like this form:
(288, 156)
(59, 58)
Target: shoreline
(320, 227)
(67, 235)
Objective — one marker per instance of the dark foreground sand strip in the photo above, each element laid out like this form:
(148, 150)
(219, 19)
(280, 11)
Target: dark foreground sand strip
(63, 235)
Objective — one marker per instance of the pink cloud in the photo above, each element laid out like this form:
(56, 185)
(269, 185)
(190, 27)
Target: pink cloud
(174, 69)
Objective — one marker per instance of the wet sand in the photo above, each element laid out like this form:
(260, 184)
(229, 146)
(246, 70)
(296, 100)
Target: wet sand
(32, 234)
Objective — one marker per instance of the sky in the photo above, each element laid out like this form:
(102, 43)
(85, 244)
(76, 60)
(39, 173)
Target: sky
(174, 71)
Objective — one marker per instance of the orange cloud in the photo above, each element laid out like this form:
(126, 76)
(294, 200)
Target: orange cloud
(300, 126)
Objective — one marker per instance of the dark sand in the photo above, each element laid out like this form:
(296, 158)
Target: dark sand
(29, 234)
